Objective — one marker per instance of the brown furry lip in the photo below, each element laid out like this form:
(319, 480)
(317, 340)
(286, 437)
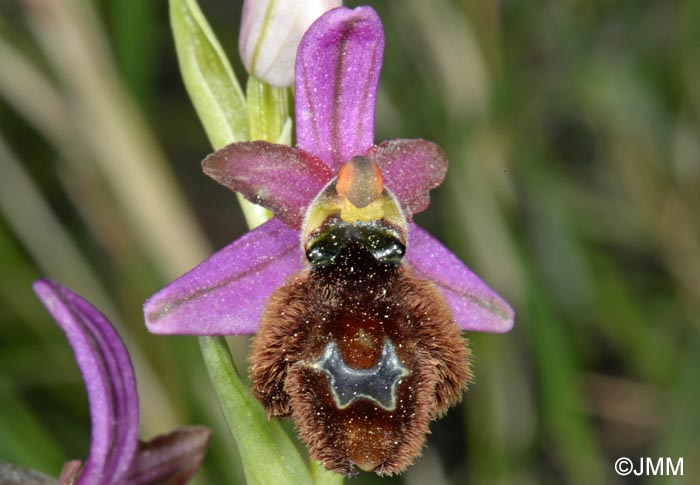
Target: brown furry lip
(357, 304)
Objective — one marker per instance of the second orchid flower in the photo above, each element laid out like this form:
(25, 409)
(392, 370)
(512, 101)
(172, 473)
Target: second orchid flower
(116, 454)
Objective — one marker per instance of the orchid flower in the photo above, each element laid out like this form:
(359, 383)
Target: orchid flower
(116, 454)
(358, 309)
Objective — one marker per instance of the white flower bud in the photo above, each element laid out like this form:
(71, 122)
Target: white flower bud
(270, 34)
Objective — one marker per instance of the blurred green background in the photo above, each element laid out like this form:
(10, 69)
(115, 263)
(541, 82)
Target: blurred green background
(573, 133)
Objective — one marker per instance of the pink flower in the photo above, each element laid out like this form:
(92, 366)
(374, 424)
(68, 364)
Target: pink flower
(358, 310)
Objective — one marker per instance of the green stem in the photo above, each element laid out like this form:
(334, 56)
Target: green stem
(321, 476)
(268, 110)
(267, 453)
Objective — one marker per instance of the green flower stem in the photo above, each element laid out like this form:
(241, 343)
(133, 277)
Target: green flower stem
(268, 110)
(267, 453)
(321, 476)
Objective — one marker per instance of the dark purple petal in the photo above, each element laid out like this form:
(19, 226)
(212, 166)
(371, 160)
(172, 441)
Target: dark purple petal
(474, 305)
(278, 177)
(109, 379)
(410, 168)
(226, 294)
(171, 458)
(337, 71)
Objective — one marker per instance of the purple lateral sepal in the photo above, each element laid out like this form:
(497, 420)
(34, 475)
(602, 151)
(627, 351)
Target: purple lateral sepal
(337, 71)
(109, 379)
(474, 305)
(226, 294)
(278, 177)
(410, 168)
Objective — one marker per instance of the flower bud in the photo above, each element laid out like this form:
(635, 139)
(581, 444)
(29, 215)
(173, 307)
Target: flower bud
(270, 34)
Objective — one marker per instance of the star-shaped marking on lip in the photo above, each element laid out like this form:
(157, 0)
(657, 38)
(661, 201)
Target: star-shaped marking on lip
(377, 384)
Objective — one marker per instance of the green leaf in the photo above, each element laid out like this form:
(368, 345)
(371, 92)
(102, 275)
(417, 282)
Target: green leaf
(267, 453)
(208, 76)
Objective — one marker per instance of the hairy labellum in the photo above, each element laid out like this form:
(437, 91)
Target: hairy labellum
(357, 349)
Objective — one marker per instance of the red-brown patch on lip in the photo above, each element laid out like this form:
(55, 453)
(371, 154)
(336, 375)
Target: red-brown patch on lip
(358, 309)
(359, 341)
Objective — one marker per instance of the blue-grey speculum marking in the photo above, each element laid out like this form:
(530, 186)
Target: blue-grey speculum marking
(377, 384)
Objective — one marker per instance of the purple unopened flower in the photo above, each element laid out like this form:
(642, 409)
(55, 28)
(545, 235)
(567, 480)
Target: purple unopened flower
(116, 455)
(358, 310)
